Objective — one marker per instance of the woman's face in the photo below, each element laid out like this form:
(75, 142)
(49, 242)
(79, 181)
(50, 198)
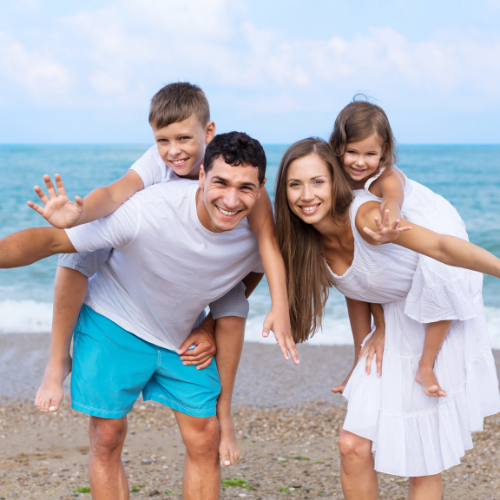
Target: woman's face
(309, 188)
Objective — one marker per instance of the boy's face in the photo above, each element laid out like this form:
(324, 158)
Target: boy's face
(182, 145)
(227, 195)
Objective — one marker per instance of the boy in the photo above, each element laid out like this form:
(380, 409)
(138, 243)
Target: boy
(180, 119)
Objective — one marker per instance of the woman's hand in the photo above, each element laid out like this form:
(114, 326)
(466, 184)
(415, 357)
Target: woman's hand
(374, 346)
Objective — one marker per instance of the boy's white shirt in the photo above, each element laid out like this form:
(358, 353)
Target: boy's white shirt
(165, 266)
(152, 169)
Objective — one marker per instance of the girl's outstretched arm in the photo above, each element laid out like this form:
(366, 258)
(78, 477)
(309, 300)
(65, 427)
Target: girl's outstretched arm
(441, 247)
(278, 320)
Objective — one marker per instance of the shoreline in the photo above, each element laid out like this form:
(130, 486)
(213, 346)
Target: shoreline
(286, 419)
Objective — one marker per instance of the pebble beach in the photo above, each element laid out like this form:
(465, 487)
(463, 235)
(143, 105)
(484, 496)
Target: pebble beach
(287, 423)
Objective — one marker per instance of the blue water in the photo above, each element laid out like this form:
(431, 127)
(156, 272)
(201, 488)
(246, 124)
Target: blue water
(468, 176)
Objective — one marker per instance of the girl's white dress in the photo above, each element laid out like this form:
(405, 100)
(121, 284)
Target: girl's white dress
(413, 434)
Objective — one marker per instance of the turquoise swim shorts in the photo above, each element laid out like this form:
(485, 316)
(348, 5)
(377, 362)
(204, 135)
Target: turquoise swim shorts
(111, 367)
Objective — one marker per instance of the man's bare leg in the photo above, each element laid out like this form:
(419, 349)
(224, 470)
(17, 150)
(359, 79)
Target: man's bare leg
(201, 466)
(106, 473)
(435, 333)
(229, 336)
(357, 472)
(70, 289)
(426, 488)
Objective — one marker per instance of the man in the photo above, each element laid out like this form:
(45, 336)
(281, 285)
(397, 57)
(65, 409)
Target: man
(176, 249)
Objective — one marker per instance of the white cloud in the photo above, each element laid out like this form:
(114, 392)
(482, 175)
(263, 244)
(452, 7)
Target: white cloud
(123, 51)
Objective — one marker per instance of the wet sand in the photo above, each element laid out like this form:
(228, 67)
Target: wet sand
(287, 424)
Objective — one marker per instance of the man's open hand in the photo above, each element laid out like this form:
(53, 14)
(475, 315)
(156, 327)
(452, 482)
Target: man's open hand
(279, 323)
(58, 209)
(203, 337)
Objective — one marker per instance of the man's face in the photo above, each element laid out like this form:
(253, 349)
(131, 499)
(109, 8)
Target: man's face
(227, 195)
(182, 145)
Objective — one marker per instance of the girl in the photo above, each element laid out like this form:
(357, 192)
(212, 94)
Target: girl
(320, 230)
(363, 143)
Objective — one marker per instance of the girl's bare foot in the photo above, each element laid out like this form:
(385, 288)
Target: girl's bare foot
(50, 394)
(229, 449)
(339, 389)
(426, 376)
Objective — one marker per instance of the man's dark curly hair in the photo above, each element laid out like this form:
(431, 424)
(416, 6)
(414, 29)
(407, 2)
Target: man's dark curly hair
(237, 148)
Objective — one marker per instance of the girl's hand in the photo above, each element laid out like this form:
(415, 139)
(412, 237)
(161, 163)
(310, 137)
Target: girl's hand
(387, 232)
(58, 209)
(279, 323)
(374, 346)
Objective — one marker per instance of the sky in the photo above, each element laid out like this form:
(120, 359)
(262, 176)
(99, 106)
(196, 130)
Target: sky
(280, 70)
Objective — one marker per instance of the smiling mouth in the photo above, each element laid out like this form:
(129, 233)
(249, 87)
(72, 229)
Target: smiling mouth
(309, 209)
(179, 163)
(227, 213)
(357, 170)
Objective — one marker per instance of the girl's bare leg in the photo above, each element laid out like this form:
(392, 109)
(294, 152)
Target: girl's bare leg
(357, 472)
(435, 334)
(229, 335)
(70, 289)
(426, 488)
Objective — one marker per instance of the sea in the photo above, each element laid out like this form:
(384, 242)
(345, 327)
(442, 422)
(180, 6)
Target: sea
(467, 176)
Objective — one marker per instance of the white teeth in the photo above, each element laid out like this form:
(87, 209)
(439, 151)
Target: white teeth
(178, 162)
(225, 212)
(309, 209)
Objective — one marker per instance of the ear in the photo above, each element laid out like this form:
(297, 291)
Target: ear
(261, 187)
(202, 177)
(209, 132)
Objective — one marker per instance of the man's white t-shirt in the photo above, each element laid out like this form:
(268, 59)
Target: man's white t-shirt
(166, 266)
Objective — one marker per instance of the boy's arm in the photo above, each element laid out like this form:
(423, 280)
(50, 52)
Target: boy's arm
(62, 213)
(278, 320)
(31, 245)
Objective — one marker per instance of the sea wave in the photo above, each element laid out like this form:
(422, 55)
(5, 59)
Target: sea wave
(29, 316)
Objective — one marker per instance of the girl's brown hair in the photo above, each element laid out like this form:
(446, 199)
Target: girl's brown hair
(308, 277)
(357, 121)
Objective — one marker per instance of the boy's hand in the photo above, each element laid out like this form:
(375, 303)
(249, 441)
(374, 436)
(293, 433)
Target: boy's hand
(386, 232)
(374, 346)
(58, 209)
(279, 323)
(203, 337)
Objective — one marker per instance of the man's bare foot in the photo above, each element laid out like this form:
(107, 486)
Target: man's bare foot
(229, 449)
(339, 389)
(426, 376)
(50, 394)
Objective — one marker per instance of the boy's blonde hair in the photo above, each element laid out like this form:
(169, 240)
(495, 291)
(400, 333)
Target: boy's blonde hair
(176, 102)
(357, 121)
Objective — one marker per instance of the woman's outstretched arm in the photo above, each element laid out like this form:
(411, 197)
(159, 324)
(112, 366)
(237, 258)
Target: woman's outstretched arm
(441, 247)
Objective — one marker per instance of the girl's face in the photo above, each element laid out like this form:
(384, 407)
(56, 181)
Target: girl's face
(361, 159)
(309, 188)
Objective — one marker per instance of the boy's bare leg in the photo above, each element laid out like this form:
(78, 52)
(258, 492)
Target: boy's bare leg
(201, 466)
(70, 289)
(107, 477)
(435, 333)
(229, 336)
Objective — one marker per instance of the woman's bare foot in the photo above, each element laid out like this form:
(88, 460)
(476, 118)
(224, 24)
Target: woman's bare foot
(339, 389)
(229, 449)
(50, 394)
(426, 376)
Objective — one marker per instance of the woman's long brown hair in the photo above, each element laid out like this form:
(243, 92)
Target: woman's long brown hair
(308, 277)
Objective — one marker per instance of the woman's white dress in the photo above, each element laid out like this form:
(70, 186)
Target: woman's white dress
(413, 434)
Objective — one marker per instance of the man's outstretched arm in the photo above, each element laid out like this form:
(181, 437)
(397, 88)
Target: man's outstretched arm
(31, 245)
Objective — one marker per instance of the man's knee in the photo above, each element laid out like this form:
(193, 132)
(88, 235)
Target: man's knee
(353, 448)
(107, 434)
(203, 439)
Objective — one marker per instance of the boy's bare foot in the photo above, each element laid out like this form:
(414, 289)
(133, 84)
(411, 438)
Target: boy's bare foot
(229, 449)
(339, 389)
(426, 376)
(50, 394)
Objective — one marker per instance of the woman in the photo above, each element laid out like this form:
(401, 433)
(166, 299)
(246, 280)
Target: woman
(322, 237)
